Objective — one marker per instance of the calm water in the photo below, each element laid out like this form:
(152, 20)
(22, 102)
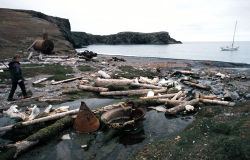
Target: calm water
(187, 50)
(104, 145)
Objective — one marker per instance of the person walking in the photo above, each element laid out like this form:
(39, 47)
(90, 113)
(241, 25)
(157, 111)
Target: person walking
(16, 77)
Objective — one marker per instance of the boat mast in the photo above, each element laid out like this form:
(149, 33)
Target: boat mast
(234, 34)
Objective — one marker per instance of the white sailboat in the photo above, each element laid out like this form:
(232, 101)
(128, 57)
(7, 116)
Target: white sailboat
(232, 48)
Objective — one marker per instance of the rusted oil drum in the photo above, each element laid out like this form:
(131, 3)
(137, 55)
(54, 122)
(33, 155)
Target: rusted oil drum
(45, 46)
(86, 121)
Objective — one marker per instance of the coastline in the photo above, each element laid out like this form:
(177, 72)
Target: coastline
(194, 63)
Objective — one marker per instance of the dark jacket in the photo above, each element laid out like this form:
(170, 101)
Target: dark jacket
(15, 72)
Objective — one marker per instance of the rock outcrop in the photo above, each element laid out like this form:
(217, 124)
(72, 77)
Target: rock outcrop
(81, 38)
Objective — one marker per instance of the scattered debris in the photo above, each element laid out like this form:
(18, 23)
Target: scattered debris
(13, 112)
(104, 75)
(48, 109)
(149, 81)
(84, 146)
(189, 108)
(88, 55)
(35, 111)
(65, 137)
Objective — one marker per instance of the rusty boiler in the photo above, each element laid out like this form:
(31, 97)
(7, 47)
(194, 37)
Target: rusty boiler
(46, 46)
(86, 121)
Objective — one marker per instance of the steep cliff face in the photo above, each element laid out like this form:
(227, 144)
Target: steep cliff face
(82, 38)
(18, 30)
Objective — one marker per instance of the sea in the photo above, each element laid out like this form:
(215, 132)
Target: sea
(186, 50)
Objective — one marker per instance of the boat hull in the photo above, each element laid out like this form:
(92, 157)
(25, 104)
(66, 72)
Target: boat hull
(229, 49)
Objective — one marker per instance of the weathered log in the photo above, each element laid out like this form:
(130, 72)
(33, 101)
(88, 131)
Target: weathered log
(40, 80)
(50, 100)
(132, 92)
(171, 102)
(177, 95)
(209, 97)
(58, 116)
(40, 136)
(95, 89)
(145, 85)
(182, 72)
(226, 103)
(181, 107)
(196, 85)
(161, 96)
(108, 82)
(62, 57)
(66, 80)
(44, 119)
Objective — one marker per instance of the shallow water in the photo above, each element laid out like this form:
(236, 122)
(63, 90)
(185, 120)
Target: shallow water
(187, 50)
(108, 144)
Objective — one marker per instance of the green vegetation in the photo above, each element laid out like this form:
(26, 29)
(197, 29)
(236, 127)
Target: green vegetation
(213, 135)
(86, 68)
(130, 72)
(76, 94)
(57, 71)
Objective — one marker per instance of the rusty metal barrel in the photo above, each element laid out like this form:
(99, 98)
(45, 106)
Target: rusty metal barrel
(45, 46)
(86, 121)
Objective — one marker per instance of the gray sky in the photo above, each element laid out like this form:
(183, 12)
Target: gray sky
(185, 20)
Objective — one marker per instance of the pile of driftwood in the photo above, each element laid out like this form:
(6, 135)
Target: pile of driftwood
(160, 91)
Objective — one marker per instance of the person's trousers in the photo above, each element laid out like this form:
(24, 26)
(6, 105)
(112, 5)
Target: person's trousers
(13, 89)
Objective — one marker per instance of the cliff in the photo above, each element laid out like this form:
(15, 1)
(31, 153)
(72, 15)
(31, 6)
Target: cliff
(81, 38)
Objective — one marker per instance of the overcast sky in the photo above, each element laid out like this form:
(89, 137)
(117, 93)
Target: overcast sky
(185, 20)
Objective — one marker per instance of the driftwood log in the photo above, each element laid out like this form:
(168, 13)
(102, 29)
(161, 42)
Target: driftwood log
(108, 82)
(42, 135)
(183, 72)
(210, 101)
(157, 97)
(66, 80)
(58, 116)
(95, 89)
(181, 107)
(131, 92)
(172, 102)
(149, 86)
(196, 85)
(209, 97)
(177, 95)
(49, 99)
(40, 80)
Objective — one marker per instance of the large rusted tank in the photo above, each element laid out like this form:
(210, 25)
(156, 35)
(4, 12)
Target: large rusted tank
(45, 46)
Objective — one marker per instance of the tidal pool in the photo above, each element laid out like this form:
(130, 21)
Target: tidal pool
(107, 144)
